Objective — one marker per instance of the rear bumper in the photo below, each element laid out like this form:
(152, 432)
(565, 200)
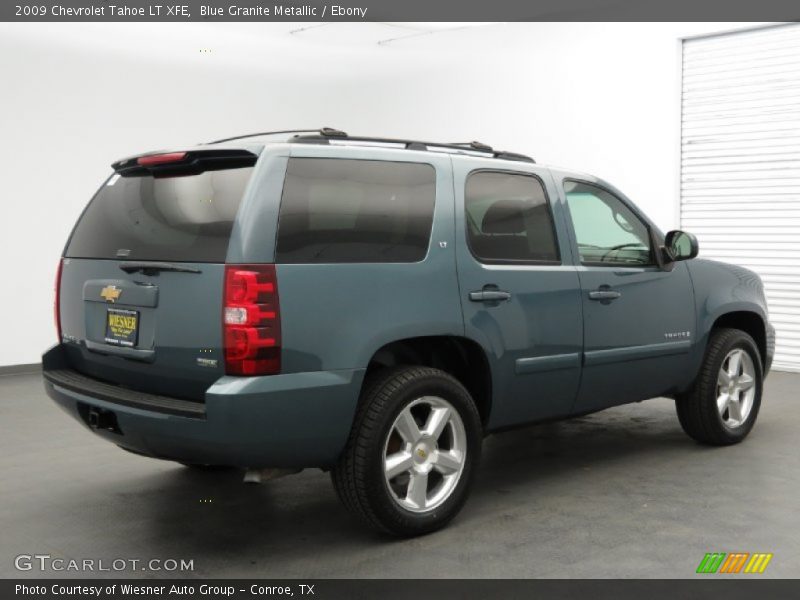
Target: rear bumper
(292, 420)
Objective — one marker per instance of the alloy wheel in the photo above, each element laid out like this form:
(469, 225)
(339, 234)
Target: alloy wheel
(736, 388)
(424, 454)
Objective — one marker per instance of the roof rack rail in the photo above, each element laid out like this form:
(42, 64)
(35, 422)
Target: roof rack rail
(325, 137)
(325, 131)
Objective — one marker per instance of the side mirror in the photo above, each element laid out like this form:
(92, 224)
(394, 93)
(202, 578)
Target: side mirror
(680, 245)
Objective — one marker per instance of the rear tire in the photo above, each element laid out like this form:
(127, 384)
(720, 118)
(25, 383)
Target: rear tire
(723, 404)
(411, 456)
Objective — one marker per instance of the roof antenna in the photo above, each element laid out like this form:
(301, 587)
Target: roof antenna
(331, 132)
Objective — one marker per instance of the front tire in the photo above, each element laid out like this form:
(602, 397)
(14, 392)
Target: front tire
(410, 460)
(723, 404)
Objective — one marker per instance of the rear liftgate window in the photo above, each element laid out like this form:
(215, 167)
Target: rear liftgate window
(341, 210)
(185, 218)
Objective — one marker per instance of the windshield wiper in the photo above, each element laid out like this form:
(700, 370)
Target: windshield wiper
(154, 268)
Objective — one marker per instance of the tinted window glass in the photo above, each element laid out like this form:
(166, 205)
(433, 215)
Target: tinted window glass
(508, 218)
(338, 210)
(172, 218)
(607, 231)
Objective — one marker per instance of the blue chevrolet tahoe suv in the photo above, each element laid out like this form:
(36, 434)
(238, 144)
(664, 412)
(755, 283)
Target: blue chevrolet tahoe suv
(375, 307)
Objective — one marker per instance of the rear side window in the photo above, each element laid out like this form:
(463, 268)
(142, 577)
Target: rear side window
(341, 210)
(183, 219)
(509, 219)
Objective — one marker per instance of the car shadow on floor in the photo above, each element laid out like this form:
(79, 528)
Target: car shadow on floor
(206, 514)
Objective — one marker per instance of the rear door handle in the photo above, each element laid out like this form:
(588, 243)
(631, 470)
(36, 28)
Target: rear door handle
(489, 295)
(604, 295)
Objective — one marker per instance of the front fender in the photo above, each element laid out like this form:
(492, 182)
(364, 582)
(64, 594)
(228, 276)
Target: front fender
(720, 289)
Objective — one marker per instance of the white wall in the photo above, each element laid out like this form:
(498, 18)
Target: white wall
(597, 97)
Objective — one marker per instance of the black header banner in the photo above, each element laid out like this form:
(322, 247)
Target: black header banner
(400, 10)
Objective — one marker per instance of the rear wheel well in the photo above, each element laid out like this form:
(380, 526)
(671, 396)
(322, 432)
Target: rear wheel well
(460, 357)
(749, 322)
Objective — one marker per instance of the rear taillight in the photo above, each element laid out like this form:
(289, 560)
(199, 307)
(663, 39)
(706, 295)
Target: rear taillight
(57, 300)
(251, 320)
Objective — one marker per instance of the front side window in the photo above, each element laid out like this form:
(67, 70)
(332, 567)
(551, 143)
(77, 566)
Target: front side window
(342, 210)
(607, 231)
(508, 218)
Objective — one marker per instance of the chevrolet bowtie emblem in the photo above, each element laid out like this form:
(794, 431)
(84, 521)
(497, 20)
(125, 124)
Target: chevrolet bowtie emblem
(110, 293)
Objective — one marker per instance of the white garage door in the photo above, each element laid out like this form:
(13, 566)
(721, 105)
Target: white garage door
(740, 163)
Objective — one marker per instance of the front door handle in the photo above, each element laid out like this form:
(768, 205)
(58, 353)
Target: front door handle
(489, 295)
(604, 295)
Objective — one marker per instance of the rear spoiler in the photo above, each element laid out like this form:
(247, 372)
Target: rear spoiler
(183, 162)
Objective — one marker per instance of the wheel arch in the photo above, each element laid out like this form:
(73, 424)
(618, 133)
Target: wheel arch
(459, 356)
(749, 321)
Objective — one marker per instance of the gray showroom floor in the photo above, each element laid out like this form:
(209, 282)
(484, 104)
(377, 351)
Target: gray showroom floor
(618, 494)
